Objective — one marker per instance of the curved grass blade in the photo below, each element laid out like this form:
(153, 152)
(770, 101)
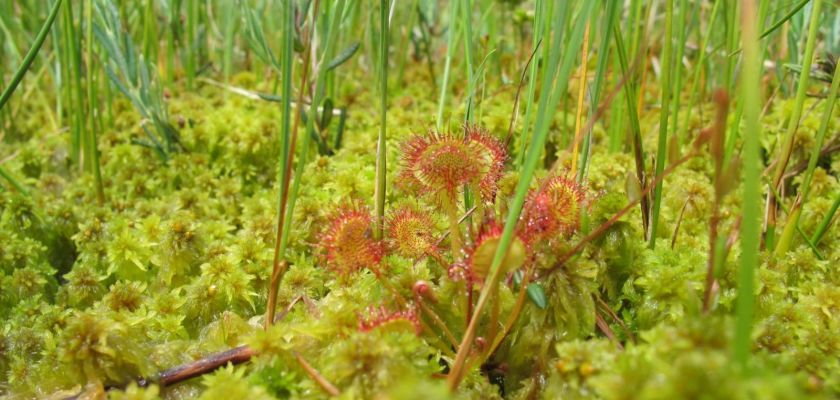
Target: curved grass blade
(30, 55)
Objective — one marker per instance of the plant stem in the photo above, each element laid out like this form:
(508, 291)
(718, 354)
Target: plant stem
(192, 41)
(600, 73)
(468, 64)
(581, 92)
(635, 127)
(381, 150)
(514, 315)
(30, 55)
(543, 13)
(287, 54)
(184, 372)
(793, 217)
(91, 150)
(678, 75)
(793, 123)
(663, 121)
(750, 231)
(452, 38)
(717, 140)
(455, 239)
(698, 68)
(287, 202)
(322, 382)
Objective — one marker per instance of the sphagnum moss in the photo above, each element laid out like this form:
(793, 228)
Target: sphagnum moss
(173, 267)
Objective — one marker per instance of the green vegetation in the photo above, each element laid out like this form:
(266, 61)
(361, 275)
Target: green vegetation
(432, 199)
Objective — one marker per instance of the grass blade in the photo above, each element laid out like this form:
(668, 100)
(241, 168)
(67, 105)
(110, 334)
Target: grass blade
(793, 123)
(635, 127)
(452, 40)
(468, 63)
(751, 203)
(793, 217)
(30, 55)
(381, 166)
(662, 146)
(815, 239)
(90, 151)
(698, 69)
(600, 73)
(543, 13)
(285, 138)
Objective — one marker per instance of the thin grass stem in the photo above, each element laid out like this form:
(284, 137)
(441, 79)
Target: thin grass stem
(786, 238)
(787, 148)
(381, 150)
(750, 231)
(30, 55)
(663, 120)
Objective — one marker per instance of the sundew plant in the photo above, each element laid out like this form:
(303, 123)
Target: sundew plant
(419, 199)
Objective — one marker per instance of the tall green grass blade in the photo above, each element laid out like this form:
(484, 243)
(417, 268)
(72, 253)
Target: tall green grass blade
(786, 238)
(662, 146)
(635, 127)
(466, 16)
(636, 26)
(90, 150)
(381, 151)
(451, 44)
(285, 67)
(694, 90)
(787, 148)
(149, 37)
(173, 32)
(682, 27)
(191, 56)
(600, 73)
(751, 203)
(731, 43)
(230, 25)
(543, 13)
(739, 111)
(73, 80)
